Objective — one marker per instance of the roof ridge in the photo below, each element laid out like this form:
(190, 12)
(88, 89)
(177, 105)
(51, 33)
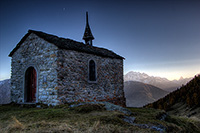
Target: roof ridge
(35, 31)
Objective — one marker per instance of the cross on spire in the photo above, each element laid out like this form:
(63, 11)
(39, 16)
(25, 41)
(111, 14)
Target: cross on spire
(88, 37)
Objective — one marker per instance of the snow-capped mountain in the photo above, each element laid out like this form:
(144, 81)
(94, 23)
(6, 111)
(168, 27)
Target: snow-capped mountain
(182, 80)
(142, 77)
(159, 82)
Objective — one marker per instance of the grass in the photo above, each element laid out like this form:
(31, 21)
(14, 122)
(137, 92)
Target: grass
(87, 118)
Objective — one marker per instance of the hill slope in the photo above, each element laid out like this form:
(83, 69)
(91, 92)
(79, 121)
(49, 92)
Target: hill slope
(89, 118)
(139, 94)
(159, 82)
(184, 101)
(5, 91)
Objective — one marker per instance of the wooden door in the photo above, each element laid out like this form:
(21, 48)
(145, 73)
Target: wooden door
(31, 78)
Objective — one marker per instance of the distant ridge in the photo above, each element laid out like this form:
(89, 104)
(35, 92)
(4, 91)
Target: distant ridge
(139, 94)
(162, 83)
(5, 91)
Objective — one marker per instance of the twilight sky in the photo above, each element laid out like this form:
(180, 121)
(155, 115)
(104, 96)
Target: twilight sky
(157, 37)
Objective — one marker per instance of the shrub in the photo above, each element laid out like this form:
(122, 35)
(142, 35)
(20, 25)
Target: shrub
(88, 108)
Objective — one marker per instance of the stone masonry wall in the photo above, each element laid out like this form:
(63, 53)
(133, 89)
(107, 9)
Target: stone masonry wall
(41, 55)
(73, 82)
(62, 75)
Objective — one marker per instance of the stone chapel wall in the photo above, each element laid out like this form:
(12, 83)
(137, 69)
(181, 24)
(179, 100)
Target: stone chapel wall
(38, 53)
(73, 82)
(62, 75)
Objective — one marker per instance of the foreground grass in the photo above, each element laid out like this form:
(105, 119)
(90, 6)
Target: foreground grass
(15, 118)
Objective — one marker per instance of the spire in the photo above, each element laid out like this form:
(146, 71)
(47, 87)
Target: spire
(88, 37)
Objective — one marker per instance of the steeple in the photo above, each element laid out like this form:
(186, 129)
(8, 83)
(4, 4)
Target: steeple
(88, 37)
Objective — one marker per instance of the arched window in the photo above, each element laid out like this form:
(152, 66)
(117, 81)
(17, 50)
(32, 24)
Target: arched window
(92, 71)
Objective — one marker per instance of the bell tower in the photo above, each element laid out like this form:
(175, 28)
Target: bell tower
(88, 37)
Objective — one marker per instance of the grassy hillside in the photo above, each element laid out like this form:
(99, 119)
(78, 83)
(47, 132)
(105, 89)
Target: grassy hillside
(181, 109)
(89, 118)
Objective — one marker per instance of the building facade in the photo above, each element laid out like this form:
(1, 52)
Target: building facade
(52, 70)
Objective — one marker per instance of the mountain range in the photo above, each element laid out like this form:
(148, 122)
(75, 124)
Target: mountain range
(5, 91)
(159, 82)
(139, 94)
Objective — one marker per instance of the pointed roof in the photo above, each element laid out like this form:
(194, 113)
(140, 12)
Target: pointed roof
(87, 34)
(68, 44)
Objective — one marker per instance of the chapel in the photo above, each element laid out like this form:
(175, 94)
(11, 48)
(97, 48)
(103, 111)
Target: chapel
(52, 70)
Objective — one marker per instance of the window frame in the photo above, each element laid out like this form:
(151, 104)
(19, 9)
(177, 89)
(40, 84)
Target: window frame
(90, 81)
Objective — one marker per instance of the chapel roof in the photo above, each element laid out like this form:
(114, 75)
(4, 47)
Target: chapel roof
(69, 44)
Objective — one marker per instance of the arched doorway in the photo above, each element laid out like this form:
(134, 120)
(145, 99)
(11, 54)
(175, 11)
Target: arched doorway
(30, 85)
